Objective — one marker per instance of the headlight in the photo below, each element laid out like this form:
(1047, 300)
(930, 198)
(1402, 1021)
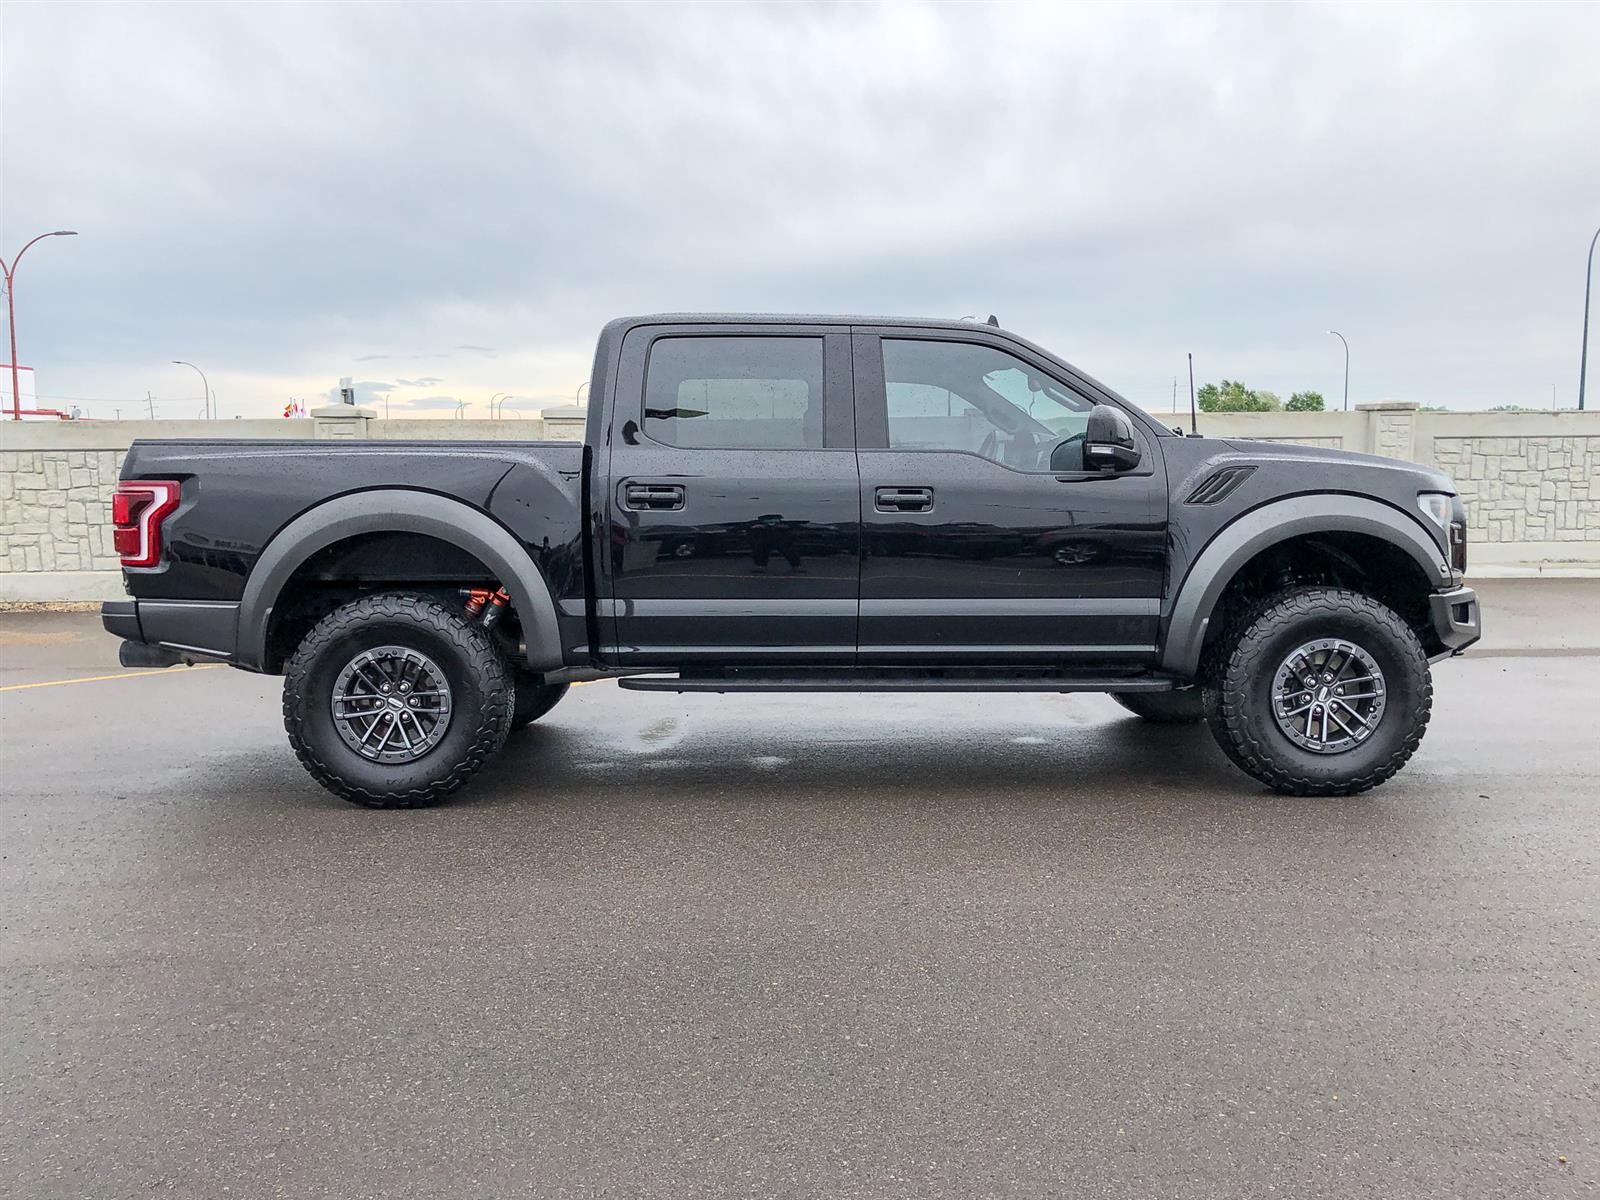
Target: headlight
(1436, 507)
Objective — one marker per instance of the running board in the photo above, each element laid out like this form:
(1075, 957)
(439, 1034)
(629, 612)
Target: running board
(852, 681)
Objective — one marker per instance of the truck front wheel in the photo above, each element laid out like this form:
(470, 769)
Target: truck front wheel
(1318, 692)
(394, 701)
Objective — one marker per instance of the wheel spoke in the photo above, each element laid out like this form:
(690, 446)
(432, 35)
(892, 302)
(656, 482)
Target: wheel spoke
(1364, 720)
(377, 671)
(1348, 732)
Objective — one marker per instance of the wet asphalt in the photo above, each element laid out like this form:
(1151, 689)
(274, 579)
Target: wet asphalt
(804, 946)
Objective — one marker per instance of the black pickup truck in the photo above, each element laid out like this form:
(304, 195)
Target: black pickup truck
(808, 504)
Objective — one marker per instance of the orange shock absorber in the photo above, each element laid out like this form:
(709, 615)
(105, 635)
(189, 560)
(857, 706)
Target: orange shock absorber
(476, 598)
(496, 608)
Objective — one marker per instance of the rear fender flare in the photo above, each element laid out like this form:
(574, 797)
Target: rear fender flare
(399, 510)
(1263, 527)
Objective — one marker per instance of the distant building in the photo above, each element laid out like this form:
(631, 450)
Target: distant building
(565, 423)
(30, 395)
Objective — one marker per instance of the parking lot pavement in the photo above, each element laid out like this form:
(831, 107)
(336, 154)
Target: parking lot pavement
(793, 946)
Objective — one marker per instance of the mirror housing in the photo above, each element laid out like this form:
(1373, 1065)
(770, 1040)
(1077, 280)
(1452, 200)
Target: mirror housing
(1108, 443)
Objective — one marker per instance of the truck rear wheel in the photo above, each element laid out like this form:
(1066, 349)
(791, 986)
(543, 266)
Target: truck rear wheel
(1318, 692)
(534, 698)
(1180, 706)
(394, 701)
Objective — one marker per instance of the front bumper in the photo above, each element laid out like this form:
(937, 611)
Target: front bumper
(203, 628)
(1456, 618)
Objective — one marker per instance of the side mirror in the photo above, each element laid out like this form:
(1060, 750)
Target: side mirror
(1108, 443)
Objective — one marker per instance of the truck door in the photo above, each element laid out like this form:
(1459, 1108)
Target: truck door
(733, 520)
(975, 548)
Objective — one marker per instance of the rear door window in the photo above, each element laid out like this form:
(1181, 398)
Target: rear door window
(737, 393)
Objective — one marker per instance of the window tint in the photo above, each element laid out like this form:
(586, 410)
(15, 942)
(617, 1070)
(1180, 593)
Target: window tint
(755, 393)
(959, 396)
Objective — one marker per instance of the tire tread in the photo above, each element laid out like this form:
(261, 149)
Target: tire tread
(1236, 657)
(484, 662)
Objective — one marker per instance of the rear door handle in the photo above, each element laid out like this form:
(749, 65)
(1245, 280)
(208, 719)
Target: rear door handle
(902, 499)
(652, 497)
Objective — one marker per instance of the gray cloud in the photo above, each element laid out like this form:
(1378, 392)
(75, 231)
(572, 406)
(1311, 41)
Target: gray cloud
(427, 381)
(259, 190)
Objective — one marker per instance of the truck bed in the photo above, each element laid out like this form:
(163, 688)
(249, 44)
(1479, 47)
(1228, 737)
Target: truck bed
(238, 494)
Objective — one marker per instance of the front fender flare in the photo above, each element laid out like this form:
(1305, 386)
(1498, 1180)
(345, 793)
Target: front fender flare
(399, 510)
(1260, 528)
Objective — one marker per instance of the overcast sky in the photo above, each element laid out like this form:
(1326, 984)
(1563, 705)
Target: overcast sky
(446, 201)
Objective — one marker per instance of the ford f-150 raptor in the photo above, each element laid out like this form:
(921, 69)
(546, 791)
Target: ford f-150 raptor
(811, 504)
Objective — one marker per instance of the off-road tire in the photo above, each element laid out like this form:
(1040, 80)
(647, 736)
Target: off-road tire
(1182, 706)
(534, 698)
(479, 679)
(1237, 677)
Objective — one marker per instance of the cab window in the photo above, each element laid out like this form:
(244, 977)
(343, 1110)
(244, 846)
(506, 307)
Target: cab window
(973, 398)
(743, 393)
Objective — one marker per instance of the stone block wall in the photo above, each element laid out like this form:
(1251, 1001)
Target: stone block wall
(1526, 489)
(55, 510)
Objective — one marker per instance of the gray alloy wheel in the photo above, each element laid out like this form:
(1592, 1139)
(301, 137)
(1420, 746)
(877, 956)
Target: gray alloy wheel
(1328, 696)
(391, 704)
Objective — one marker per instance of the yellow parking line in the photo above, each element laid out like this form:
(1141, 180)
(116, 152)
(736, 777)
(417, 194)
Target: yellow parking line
(22, 687)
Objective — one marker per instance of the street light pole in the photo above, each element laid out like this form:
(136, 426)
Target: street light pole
(11, 314)
(1340, 336)
(204, 382)
(577, 397)
(1583, 362)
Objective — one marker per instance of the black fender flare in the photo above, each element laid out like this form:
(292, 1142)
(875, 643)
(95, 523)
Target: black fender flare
(1260, 528)
(399, 510)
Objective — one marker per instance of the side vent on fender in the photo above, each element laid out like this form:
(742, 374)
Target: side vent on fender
(1219, 485)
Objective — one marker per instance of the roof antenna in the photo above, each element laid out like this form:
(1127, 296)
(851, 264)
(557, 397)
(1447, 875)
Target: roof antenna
(1194, 420)
(994, 320)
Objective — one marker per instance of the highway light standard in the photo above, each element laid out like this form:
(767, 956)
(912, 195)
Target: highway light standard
(1340, 336)
(1583, 360)
(204, 383)
(11, 312)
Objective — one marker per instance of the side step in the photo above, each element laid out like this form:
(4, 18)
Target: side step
(896, 681)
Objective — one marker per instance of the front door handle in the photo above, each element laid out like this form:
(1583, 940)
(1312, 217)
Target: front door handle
(902, 499)
(653, 497)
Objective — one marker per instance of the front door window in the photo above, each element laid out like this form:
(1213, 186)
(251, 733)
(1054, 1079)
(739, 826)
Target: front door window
(966, 397)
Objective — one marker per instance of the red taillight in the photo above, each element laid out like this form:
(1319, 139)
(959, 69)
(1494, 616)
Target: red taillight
(138, 507)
